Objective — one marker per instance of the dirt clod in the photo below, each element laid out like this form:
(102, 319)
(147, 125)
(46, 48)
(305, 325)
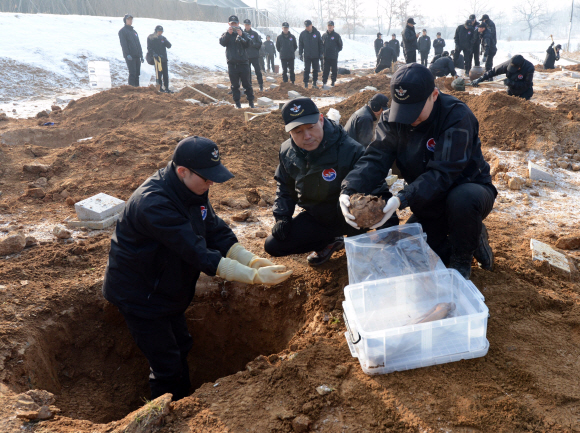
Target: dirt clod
(301, 423)
(61, 233)
(568, 242)
(367, 209)
(12, 244)
(242, 216)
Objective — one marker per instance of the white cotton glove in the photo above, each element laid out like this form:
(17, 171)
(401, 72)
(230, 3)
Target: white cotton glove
(232, 270)
(344, 201)
(239, 253)
(390, 208)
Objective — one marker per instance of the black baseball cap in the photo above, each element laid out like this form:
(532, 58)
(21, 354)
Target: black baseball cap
(247, 21)
(394, 35)
(410, 21)
(233, 19)
(411, 86)
(379, 101)
(285, 24)
(484, 17)
(159, 28)
(516, 63)
(438, 33)
(330, 23)
(472, 17)
(558, 47)
(299, 111)
(482, 25)
(307, 23)
(201, 155)
(127, 16)
(469, 23)
(379, 34)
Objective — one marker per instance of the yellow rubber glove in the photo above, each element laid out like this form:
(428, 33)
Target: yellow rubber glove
(233, 270)
(239, 253)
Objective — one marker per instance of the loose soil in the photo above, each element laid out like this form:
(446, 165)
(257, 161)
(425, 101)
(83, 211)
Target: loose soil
(261, 352)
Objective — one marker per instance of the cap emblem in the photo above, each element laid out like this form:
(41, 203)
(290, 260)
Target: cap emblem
(296, 110)
(400, 93)
(216, 155)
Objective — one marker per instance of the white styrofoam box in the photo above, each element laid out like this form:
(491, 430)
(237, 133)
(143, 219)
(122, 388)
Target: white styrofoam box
(391, 252)
(221, 86)
(544, 252)
(293, 94)
(274, 86)
(193, 101)
(98, 207)
(379, 316)
(536, 172)
(271, 79)
(99, 75)
(265, 101)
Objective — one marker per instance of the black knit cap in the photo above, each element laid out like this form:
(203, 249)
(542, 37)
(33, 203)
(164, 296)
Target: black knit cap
(201, 155)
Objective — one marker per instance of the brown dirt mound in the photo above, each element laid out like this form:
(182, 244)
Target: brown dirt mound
(381, 82)
(444, 83)
(575, 68)
(188, 93)
(358, 100)
(282, 91)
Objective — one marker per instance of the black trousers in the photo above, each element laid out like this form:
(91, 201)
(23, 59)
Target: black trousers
(329, 65)
(270, 62)
(424, 56)
(411, 56)
(134, 71)
(308, 234)
(454, 225)
(380, 67)
(489, 61)
(240, 72)
(287, 64)
(163, 74)
(475, 54)
(255, 62)
(165, 342)
(526, 95)
(311, 63)
(466, 56)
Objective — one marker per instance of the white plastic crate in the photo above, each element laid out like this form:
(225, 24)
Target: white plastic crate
(378, 315)
(391, 252)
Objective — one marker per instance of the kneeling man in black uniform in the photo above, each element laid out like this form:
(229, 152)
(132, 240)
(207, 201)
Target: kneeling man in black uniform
(167, 235)
(434, 139)
(519, 76)
(313, 162)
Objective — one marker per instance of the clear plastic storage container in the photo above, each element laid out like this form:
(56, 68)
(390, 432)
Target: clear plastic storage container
(392, 252)
(382, 329)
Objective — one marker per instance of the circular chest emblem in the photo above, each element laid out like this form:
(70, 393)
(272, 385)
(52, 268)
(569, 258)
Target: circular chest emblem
(329, 174)
(520, 77)
(203, 212)
(431, 145)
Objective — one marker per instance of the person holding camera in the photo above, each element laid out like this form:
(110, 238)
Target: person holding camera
(237, 42)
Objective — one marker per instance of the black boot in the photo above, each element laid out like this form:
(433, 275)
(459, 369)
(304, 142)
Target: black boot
(292, 82)
(261, 87)
(332, 84)
(461, 263)
(238, 104)
(317, 258)
(251, 103)
(314, 86)
(484, 254)
(306, 85)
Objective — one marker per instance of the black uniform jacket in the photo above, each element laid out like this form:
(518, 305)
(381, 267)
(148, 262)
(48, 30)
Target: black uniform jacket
(394, 44)
(409, 39)
(424, 43)
(464, 38)
(360, 126)
(331, 44)
(386, 56)
(236, 46)
(255, 44)
(310, 44)
(442, 67)
(522, 79)
(286, 46)
(130, 42)
(487, 44)
(157, 45)
(438, 44)
(165, 237)
(551, 57)
(270, 48)
(433, 157)
(312, 180)
(378, 45)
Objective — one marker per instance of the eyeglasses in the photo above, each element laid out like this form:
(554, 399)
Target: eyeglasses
(202, 178)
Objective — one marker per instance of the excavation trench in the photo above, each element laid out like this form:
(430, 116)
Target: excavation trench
(87, 358)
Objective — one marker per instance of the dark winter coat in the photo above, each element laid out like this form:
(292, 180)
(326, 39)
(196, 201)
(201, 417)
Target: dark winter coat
(255, 43)
(236, 46)
(460, 62)
(394, 44)
(286, 46)
(438, 45)
(310, 44)
(491, 28)
(157, 45)
(378, 45)
(442, 152)
(270, 48)
(442, 67)
(464, 38)
(488, 47)
(409, 39)
(424, 43)
(386, 56)
(130, 42)
(331, 44)
(551, 57)
(360, 126)
(312, 180)
(165, 237)
(519, 82)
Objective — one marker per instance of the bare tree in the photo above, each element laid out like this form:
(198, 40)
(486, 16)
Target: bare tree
(351, 13)
(389, 8)
(285, 10)
(404, 9)
(476, 7)
(533, 14)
